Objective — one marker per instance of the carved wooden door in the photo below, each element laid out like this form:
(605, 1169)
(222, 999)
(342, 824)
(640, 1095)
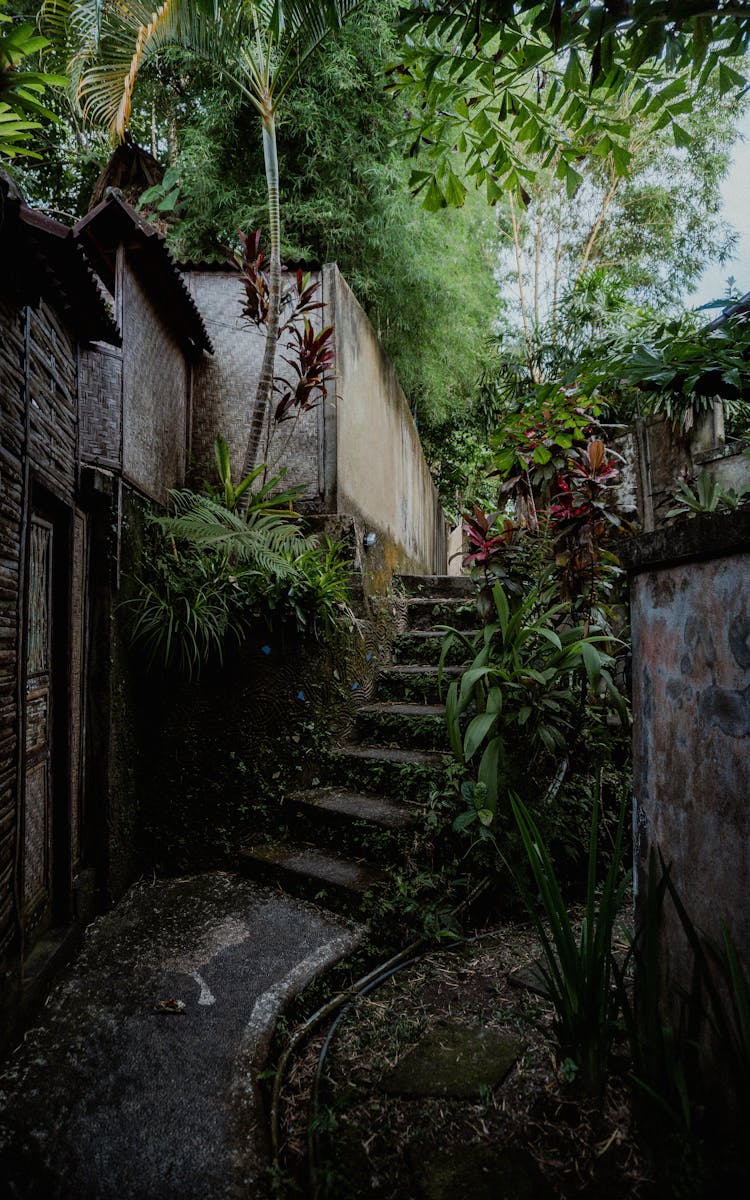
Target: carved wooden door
(37, 845)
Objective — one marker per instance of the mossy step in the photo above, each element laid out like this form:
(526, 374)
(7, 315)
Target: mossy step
(415, 682)
(355, 806)
(425, 646)
(308, 871)
(424, 612)
(388, 771)
(403, 724)
(440, 586)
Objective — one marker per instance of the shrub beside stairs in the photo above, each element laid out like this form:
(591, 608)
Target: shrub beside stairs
(348, 832)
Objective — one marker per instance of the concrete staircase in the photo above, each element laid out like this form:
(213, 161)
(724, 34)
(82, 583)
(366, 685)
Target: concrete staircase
(350, 831)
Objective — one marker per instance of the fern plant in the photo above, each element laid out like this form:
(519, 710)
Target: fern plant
(212, 569)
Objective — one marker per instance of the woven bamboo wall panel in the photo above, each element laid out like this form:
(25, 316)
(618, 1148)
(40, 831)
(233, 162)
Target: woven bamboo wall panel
(52, 439)
(53, 414)
(100, 397)
(77, 691)
(224, 389)
(11, 489)
(154, 386)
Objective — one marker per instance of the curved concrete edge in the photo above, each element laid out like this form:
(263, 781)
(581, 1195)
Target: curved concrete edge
(252, 1057)
(107, 1098)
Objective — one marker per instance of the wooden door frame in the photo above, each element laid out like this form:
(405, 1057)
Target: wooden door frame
(44, 503)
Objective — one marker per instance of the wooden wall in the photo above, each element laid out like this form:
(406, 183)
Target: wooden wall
(38, 440)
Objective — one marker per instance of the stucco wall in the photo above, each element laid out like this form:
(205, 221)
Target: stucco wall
(691, 711)
(358, 454)
(381, 472)
(224, 389)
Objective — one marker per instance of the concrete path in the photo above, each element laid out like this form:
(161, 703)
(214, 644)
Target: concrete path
(109, 1099)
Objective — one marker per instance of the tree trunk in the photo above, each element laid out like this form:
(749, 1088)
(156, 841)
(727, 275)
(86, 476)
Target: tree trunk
(262, 403)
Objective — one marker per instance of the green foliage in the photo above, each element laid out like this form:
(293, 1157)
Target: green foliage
(672, 1038)
(21, 90)
(345, 198)
(510, 83)
(212, 570)
(677, 367)
(536, 436)
(577, 968)
(519, 705)
(708, 497)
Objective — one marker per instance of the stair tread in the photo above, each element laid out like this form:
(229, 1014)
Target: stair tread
(363, 806)
(440, 585)
(431, 601)
(424, 635)
(391, 754)
(420, 669)
(402, 709)
(324, 866)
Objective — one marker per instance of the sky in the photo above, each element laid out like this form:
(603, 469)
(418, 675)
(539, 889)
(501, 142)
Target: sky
(736, 194)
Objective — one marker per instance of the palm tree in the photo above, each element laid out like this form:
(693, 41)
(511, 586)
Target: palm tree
(259, 46)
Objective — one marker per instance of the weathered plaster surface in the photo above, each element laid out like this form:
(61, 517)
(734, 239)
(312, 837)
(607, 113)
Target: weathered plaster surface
(382, 475)
(691, 705)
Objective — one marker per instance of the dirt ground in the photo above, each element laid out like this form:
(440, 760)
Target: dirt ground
(365, 1142)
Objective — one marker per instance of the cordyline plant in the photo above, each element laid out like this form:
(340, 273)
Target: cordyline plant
(312, 352)
(258, 46)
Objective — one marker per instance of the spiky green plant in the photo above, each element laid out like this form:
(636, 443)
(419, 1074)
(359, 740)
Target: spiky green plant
(577, 967)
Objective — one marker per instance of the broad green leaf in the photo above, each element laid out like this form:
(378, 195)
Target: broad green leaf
(681, 136)
(488, 771)
(455, 191)
(434, 199)
(477, 731)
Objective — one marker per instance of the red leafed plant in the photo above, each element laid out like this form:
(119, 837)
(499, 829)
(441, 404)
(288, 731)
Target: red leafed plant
(302, 296)
(311, 353)
(312, 358)
(255, 283)
(484, 543)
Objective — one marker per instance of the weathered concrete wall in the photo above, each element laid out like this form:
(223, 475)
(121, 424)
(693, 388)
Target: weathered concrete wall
(154, 393)
(224, 388)
(381, 473)
(358, 454)
(455, 550)
(690, 600)
(658, 456)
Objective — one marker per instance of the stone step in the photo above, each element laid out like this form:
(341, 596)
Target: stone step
(403, 724)
(311, 872)
(425, 612)
(388, 771)
(425, 646)
(355, 806)
(417, 683)
(438, 585)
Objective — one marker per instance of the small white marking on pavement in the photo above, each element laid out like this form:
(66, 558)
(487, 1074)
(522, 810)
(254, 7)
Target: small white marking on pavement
(206, 996)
